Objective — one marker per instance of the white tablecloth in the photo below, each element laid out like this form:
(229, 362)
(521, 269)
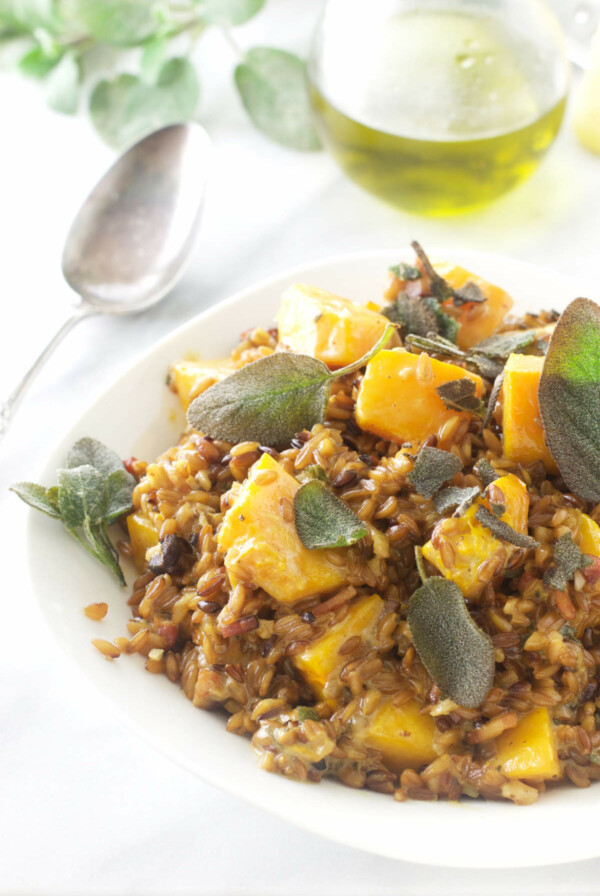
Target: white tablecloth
(85, 806)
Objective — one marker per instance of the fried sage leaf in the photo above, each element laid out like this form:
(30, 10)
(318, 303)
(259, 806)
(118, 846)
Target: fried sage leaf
(412, 313)
(440, 288)
(456, 653)
(460, 498)
(271, 399)
(485, 471)
(494, 395)
(569, 396)
(323, 520)
(504, 344)
(461, 395)
(503, 530)
(470, 292)
(432, 468)
(567, 559)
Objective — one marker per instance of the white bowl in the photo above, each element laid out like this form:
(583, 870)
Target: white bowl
(139, 416)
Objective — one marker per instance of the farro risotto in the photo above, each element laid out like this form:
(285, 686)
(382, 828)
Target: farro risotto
(376, 547)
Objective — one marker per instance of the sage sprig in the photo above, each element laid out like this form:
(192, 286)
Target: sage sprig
(94, 489)
(271, 399)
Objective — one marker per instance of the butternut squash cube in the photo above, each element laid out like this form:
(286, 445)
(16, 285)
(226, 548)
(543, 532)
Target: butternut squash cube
(476, 321)
(321, 659)
(335, 330)
(142, 535)
(590, 535)
(529, 750)
(262, 545)
(465, 547)
(524, 440)
(402, 734)
(191, 378)
(395, 404)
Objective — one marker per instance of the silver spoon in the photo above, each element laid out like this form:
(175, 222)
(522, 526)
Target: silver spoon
(133, 235)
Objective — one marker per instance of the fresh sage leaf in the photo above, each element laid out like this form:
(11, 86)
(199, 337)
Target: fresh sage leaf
(95, 454)
(81, 496)
(228, 12)
(119, 486)
(569, 397)
(272, 85)
(567, 559)
(127, 108)
(458, 655)
(404, 271)
(271, 399)
(122, 23)
(485, 471)
(38, 497)
(308, 712)
(29, 15)
(154, 57)
(454, 497)
(502, 530)
(323, 520)
(62, 85)
(461, 395)
(432, 468)
(38, 62)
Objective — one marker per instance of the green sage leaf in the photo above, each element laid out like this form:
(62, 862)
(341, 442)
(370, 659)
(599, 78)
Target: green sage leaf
(272, 85)
(458, 655)
(504, 344)
(404, 271)
(228, 12)
(62, 85)
(569, 397)
(308, 712)
(122, 23)
(454, 497)
(412, 314)
(503, 530)
(127, 108)
(38, 62)
(567, 559)
(38, 497)
(432, 468)
(446, 326)
(93, 453)
(154, 55)
(461, 395)
(323, 520)
(81, 496)
(27, 15)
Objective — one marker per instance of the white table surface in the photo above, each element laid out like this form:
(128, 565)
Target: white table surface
(85, 806)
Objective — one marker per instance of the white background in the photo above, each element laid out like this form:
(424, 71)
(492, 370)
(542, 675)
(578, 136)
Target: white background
(86, 807)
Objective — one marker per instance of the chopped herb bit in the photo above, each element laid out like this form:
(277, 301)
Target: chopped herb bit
(270, 400)
(323, 520)
(567, 559)
(497, 509)
(502, 530)
(485, 471)
(412, 313)
(461, 395)
(491, 405)
(490, 368)
(432, 468)
(504, 344)
(460, 498)
(404, 271)
(568, 632)
(93, 490)
(308, 712)
(313, 472)
(569, 396)
(454, 650)
(470, 292)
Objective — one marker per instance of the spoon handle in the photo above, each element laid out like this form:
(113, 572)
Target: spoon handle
(9, 406)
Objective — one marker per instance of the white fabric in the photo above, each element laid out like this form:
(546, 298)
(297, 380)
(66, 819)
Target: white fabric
(85, 806)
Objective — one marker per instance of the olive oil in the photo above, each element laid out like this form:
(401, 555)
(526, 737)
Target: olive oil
(437, 111)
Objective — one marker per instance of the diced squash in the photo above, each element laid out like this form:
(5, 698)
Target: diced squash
(262, 545)
(476, 321)
(142, 535)
(402, 734)
(337, 331)
(590, 535)
(321, 659)
(524, 440)
(471, 546)
(191, 378)
(395, 404)
(529, 750)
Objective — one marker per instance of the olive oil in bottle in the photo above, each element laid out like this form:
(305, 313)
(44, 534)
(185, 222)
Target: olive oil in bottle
(437, 108)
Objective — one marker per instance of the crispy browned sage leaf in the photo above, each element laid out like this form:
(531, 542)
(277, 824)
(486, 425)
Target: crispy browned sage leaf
(461, 395)
(432, 468)
(458, 655)
(567, 559)
(485, 471)
(272, 399)
(323, 520)
(460, 498)
(569, 397)
(503, 530)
